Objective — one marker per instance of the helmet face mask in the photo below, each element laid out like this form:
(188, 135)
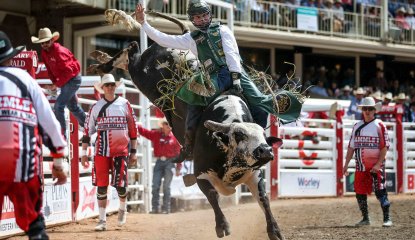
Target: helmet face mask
(199, 14)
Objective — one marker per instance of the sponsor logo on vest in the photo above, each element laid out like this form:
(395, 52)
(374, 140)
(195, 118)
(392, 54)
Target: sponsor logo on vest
(284, 102)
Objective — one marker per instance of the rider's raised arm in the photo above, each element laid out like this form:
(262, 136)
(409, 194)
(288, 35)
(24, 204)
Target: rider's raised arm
(233, 59)
(182, 42)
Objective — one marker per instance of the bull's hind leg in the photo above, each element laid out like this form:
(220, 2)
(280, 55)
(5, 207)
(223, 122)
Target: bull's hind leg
(222, 225)
(257, 187)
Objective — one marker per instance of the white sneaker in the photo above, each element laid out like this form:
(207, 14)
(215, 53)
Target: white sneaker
(122, 217)
(387, 223)
(101, 226)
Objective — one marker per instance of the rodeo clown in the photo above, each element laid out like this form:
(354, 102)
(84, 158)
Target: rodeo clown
(369, 143)
(216, 48)
(113, 119)
(25, 119)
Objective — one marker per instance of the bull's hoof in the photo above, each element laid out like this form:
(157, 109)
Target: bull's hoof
(275, 235)
(223, 230)
(189, 180)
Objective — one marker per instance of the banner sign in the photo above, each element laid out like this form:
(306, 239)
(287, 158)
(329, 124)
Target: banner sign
(26, 60)
(409, 181)
(307, 19)
(306, 184)
(56, 208)
(88, 203)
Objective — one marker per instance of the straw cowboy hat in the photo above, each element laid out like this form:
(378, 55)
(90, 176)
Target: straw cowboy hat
(370, 102)
(410, 11)
(107, 78)
(6, 49)
(161, 121)
(45, 35)
(359, 91)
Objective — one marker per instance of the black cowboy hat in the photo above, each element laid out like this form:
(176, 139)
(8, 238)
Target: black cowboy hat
(6, 49)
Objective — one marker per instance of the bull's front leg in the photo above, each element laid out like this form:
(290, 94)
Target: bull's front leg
(222, 225)
(257, 187)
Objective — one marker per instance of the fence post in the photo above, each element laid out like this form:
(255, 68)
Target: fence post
(274, 163)
(339, 149)
(399, 148)
(74, 141)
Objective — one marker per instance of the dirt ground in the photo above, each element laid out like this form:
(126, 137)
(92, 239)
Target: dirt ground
(322, 218)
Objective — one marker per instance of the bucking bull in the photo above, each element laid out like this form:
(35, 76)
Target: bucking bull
(229, 148)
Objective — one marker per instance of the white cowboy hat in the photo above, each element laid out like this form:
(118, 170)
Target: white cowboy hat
(401, 96)
(359, 91)
(107, 78)
(410, 11)
(401, 9)
(161, 121)
(6, 49)
(388, 96)
(347, 88)
(370, 102)
(377, 95)
(45, 35)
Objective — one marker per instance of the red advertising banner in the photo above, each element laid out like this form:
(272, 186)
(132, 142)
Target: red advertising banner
(26, 60)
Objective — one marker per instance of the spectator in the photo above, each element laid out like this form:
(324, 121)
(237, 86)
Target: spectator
(20, 139)
(319, 90)
(333, 90)
(369, 142)
(346, 93)
(396, 87)
(353, 108)
(401, 99)
(387, 99)
(379, 82)
(64, 72)
(157, 5)
(338, 14)
(400, 20)
(166, 149)
(410, 19)
(111, 146)
(372, 21)
(349, 78)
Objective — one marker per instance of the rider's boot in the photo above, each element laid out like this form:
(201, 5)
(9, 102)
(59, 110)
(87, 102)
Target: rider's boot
(186, 153)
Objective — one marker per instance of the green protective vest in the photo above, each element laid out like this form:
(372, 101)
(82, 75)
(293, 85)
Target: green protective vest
(212, 58)
(209, 48)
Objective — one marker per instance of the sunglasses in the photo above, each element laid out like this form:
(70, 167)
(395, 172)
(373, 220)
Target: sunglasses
(368, 109)
(44, 43)
(109, 85)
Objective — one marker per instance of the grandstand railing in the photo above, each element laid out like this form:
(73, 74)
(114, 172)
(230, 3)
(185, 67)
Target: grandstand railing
(366, 24)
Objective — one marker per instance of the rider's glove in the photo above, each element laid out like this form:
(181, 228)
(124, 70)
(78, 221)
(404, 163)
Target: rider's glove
(236, 80)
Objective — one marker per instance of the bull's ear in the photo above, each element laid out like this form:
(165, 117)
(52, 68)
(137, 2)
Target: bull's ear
(274, 140)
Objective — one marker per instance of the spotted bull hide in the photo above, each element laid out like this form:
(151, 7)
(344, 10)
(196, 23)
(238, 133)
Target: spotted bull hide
(229, 148)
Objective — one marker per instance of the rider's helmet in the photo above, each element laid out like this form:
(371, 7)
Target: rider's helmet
(197, 7)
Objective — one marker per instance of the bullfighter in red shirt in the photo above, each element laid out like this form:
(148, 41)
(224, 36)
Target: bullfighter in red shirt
(64, 72)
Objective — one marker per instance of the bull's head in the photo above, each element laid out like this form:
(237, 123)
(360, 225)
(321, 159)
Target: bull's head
(244, 141)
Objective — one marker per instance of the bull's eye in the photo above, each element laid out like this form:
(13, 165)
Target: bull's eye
(239, 136)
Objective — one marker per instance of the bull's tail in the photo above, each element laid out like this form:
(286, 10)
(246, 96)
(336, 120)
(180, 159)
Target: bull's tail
(183, 27)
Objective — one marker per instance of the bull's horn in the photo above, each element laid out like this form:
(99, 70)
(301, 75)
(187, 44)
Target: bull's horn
(217, 127)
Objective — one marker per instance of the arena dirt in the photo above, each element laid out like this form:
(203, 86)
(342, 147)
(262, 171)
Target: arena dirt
(322, 218)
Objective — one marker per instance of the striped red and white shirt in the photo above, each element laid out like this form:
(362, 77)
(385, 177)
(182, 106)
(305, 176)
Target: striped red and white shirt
(23, 110)
(367, 141)
(114, 123)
